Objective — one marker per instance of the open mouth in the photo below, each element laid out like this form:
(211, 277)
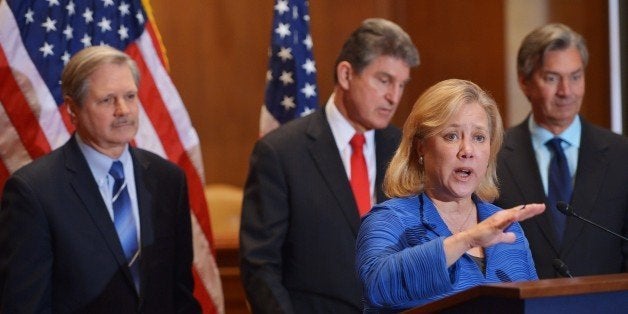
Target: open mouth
(463, 172)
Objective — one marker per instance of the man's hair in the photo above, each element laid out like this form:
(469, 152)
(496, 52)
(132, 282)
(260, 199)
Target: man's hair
(377, 37)
(546, 38)
(74, 82)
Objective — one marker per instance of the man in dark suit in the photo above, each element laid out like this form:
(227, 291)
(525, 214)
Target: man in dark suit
(551, 69)
(300, 216)
(77, 236)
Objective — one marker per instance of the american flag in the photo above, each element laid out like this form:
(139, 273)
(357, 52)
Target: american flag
(37, 38)
(291, 77)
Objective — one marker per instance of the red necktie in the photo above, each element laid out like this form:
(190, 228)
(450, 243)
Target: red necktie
(359, 175)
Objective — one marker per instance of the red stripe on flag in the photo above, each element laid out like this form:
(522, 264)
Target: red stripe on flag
(155, 108)
(20, 113)
(195, 184)
(154, 37)
(202, 295)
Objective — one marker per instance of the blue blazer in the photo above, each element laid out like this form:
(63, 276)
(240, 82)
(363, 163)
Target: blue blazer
(401, 259)
(59, 250)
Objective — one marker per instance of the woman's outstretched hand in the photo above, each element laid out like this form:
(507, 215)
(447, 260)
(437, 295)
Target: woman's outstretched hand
(489, 232)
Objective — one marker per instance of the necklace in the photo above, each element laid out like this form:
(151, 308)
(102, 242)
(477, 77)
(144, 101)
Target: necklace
(461, 226)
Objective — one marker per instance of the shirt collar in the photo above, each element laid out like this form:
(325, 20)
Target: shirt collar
(341, 128)
(540, 135)
(100, 163)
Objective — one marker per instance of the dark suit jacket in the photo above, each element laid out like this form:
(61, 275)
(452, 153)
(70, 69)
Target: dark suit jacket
(300, 220)
(600, 195)
(59, 250)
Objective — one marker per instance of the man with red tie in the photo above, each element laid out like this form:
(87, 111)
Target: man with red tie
(312, 179)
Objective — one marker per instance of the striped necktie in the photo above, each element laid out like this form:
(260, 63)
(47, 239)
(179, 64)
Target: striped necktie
(124, 221)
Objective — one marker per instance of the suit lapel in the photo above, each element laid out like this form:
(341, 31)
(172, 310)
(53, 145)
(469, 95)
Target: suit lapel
(520, 161)
(144, 188)
(322, 148)
(386, 142)
(592, 164)
(86, 189)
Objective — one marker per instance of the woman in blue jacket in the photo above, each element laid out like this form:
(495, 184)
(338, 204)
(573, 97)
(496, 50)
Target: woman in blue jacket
(438, 234)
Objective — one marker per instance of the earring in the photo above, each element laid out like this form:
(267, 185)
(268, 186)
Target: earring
(420, 160)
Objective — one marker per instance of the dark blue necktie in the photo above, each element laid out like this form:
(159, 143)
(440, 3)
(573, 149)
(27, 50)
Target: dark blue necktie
(559, 184)
(124, 221)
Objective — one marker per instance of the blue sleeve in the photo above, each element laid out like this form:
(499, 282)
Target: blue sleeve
(393, 271)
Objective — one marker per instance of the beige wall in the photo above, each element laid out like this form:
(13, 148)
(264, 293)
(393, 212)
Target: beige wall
(218, 55)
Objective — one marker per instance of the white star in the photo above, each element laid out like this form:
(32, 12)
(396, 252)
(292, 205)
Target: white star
(306, 18)
(86, 40)
(124, 9)
(140, 17)
(65, 57)
(308, 90)
(295, 12)
(68, 32)
(309, 66)
(285, 54)
(46, 49)
(88, 16)
(282, 6)
(308, 42)
(52, 2)
(288, 102)
(306, 111)
(70, 8)
(49, 25)
(29, 16)
(104, 24)
(107, 2)
(269, 76)
(283, 30)
(286, 78)
(123, 32)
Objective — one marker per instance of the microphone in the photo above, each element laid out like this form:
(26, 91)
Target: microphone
(561, 268)
(567, 210)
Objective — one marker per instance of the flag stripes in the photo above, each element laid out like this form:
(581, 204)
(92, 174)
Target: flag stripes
(32, 122)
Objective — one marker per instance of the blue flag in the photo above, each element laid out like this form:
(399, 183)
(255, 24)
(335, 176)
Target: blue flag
(291, 90)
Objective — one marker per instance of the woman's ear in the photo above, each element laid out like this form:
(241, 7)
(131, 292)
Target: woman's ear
(344, 73)
(418, 146)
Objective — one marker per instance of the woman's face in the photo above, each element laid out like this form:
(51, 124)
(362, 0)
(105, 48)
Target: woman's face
(456, 158)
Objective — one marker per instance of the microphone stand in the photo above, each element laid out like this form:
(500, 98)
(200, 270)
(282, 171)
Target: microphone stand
(568, 211)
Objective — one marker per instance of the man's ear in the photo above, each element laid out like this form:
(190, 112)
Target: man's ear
(344, 73)
(70, 104)
(523, 84)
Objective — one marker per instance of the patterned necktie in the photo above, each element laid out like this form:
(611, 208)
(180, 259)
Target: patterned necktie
(359, 175)
(124, 221)
(559, 184)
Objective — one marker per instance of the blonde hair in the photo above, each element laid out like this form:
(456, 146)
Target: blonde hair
(405, 176)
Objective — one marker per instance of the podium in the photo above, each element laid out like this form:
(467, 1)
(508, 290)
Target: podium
(589, 294)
